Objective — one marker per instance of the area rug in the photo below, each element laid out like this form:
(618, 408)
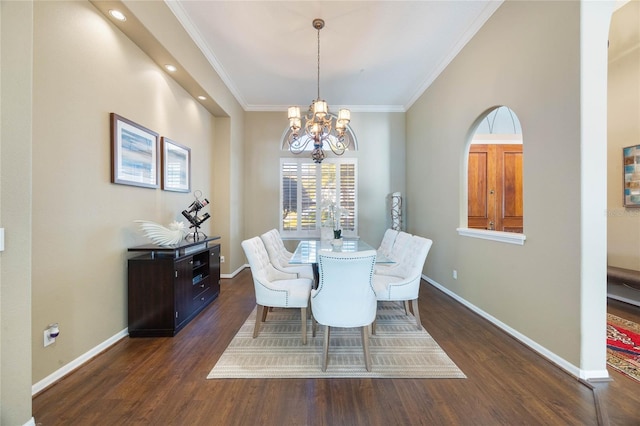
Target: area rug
(398, 350)
(623, 346)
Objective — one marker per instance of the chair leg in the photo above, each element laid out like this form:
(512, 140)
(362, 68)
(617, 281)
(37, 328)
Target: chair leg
(406, 307)
(303, 314)
(365, 347)
(373, 324)
(416, 313)
(264, 313)
(313, 326)
(259, 314)
(325, 354)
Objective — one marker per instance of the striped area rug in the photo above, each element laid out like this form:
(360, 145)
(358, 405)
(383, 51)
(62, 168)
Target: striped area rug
(398, 350)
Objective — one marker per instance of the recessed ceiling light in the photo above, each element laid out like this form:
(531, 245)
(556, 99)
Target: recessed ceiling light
(202, 98)
(117, 15)
(171, 68)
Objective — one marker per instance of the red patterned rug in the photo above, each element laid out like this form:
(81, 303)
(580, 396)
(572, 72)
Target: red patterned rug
(623, 346)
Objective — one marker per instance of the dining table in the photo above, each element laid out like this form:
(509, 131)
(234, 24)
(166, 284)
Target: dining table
(308, 250)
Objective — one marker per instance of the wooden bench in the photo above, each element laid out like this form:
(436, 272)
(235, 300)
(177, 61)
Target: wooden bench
(623, 284)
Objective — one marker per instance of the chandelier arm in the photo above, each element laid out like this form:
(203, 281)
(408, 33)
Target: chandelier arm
(297, 145)
(338, 146)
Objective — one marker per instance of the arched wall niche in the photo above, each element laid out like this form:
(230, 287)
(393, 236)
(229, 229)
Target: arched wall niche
(493, 195)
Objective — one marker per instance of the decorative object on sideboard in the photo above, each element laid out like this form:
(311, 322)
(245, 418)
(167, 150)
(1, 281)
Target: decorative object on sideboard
(134, 153)
(162, 235)
(195, 219)
(320, 126)
(396, 211)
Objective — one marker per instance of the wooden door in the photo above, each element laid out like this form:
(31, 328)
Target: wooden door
(495, 187)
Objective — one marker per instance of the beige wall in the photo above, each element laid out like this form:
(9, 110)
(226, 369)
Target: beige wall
(16, 54)
(227, 158)
(624, 130)
(82, 223)
(527, 58)
(380, 169)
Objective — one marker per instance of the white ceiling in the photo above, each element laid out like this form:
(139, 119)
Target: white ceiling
(374, 55)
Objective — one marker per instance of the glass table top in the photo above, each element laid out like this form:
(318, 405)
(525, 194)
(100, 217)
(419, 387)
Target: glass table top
(308, 250)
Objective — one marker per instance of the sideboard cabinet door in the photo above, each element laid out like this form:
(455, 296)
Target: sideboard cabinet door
(214, 268)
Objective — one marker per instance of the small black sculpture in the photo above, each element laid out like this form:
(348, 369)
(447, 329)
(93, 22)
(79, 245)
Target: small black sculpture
(192, 215)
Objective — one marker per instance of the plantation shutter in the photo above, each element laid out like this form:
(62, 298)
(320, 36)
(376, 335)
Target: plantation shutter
(348, 196)
(308, 179)
(305, 184)
(289, 196)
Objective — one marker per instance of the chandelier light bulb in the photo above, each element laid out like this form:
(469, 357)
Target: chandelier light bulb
(294, 112)
(295, 124)
(316, 129)
(344, 115)
(320, 109)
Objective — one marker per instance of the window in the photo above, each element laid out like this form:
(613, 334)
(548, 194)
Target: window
(307, 186)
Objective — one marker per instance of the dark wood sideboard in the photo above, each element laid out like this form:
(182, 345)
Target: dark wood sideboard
(169, 286)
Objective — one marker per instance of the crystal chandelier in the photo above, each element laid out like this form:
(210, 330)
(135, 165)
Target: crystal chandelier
(320, 126)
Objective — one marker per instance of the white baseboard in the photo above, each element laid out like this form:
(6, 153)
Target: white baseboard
(234, 273)
(61, 372)
(593, 375)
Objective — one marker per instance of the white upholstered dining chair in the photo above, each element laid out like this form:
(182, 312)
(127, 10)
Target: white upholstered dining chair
(396, 252)
(280, 256)
(345, 297)
(386, 245)
(401, 281)
(275, 288)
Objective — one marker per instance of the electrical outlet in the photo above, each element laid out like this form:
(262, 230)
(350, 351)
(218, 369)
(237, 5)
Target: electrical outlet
(51, 333)
(221, 259)
(48, 340)
(455, 274)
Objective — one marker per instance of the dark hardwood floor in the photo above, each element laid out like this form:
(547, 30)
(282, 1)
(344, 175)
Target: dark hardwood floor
(162, 381)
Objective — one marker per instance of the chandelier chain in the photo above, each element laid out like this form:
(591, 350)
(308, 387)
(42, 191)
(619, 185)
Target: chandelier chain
(318, 64)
